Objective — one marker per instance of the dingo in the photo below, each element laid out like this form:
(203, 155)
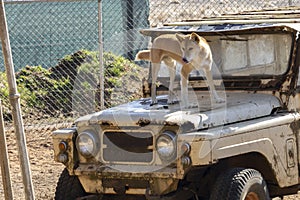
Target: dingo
(192, 51)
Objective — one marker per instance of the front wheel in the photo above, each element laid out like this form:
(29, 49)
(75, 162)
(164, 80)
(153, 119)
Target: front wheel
(240, 184)
(68, 187)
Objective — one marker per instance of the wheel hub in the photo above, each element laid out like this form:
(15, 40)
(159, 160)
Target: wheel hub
(252, 196)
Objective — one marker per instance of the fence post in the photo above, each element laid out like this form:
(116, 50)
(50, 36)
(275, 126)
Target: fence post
(101, 63)
(14, 99)
(129, 27)
(4, 160)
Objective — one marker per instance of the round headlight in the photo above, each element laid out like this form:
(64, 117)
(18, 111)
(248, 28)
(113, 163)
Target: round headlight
(166, 146)
(86, 144)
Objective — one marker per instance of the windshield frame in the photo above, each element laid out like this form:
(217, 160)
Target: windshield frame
(254, 82)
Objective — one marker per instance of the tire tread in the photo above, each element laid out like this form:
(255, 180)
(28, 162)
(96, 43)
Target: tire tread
(68, 187)
(231, 184)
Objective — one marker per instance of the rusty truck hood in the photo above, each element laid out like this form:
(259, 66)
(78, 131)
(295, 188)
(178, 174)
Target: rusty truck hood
(238, 107)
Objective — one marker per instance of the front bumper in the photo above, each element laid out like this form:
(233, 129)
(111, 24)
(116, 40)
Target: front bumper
(105, 180)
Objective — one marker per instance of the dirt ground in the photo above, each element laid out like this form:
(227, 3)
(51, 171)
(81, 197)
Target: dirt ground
(45, 172)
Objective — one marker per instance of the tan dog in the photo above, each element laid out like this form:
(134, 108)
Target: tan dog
(192, 51)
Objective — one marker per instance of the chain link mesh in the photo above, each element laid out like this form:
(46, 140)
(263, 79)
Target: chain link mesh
(55, 45)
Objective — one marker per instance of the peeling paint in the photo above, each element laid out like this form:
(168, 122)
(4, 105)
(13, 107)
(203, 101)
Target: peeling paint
(238, 107)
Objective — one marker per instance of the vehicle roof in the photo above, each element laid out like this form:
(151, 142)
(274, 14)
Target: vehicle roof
(280, 19)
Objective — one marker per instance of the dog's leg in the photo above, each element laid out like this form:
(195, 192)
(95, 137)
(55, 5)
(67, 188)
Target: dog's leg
(185, 71)
(212, 88)
(154, 72)
(172, 72)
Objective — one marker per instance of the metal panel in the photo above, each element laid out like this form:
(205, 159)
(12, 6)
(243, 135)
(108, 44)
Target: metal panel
(125, 147)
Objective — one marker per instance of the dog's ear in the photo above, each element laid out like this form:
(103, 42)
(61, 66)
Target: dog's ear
(194, 37)
(179, 37)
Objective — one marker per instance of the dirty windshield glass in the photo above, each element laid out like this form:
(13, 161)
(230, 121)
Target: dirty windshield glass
(255, 54)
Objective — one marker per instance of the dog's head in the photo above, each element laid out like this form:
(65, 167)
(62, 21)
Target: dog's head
(190, 46)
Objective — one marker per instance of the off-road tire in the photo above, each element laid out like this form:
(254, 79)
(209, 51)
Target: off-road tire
(240, 184)
(68, 187)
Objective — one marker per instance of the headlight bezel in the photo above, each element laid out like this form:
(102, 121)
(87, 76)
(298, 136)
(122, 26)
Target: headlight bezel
(166, 146)
(90, 146)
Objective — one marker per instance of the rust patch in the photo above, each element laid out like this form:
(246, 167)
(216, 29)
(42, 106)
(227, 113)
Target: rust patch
(143, 122)
(106, 123)
(295, 126)
(168, 123)
(272, 84)
(185, 126)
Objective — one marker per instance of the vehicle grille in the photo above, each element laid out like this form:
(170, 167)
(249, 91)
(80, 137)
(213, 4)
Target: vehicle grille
(124, 147)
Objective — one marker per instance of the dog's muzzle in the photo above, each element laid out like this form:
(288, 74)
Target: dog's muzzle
(185, 60)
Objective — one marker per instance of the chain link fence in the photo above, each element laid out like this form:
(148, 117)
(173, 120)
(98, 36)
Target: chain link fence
(55, 46)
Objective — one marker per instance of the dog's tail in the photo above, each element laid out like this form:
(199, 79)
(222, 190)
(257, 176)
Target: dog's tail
(143, 55)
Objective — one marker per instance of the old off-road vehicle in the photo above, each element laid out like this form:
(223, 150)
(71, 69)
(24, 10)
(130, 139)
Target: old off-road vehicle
(245, 148)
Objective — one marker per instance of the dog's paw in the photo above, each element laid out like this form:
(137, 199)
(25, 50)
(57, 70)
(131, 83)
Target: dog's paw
(171, 102)
(153, 103)
(219, 100)
(172, 98)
